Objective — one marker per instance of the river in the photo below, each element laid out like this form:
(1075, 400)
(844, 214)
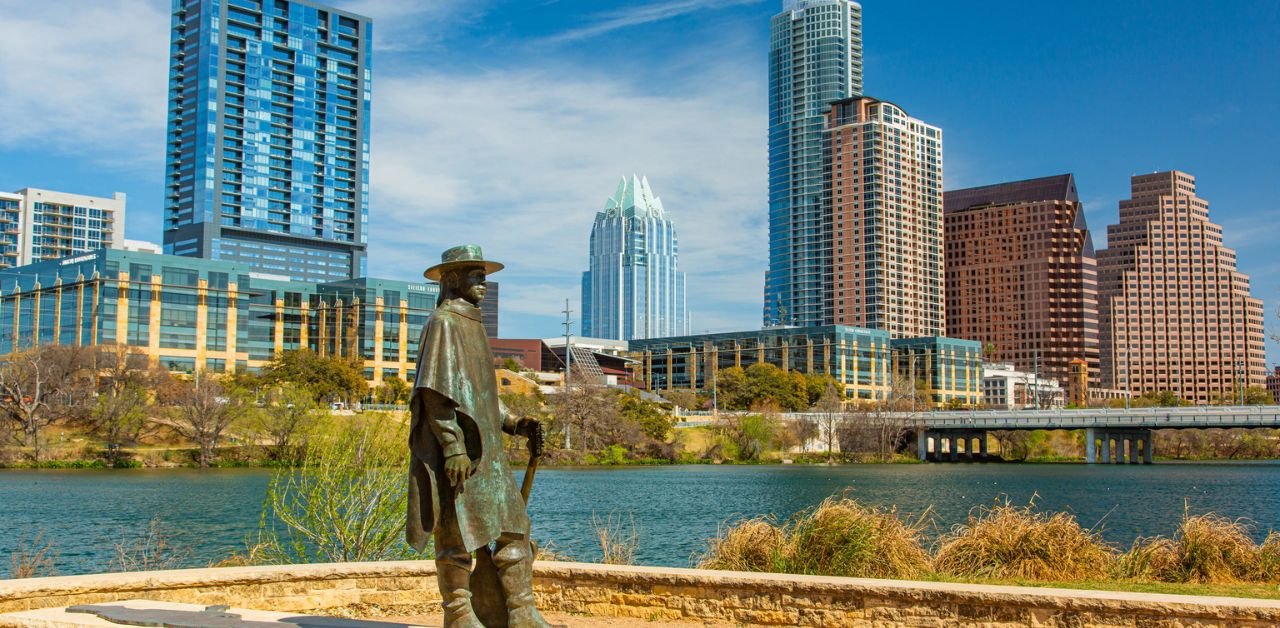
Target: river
(675, 509)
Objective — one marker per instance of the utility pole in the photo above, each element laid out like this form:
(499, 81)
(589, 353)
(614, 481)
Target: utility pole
(568, 365)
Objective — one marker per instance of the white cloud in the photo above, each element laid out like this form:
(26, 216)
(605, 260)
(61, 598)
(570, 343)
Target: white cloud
(520, 161)
(644, 14)
(89, 79)
(404, 25)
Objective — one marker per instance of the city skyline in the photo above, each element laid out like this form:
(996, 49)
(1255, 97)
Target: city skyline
(705, 99)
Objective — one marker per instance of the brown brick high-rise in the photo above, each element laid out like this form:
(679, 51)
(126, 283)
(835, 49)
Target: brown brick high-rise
(1176, 314)
(1021, 275)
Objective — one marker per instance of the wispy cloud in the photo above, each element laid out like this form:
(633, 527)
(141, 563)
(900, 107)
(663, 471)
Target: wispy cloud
(615, 20)
(88, 80)
(520, 161)
(408, 25)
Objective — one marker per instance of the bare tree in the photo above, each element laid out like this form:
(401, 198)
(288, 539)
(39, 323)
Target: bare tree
(879, 428)
(1014, 444)
(41, 386)
(831, 418)
(587, 418)
(202, 413)
(121, 413)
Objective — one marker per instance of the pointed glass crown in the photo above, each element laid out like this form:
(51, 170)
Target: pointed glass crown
(634, 199)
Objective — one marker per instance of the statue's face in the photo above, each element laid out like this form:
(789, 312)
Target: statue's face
(472, 288)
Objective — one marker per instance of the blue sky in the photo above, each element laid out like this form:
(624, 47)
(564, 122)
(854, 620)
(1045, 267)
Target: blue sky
(508, 123)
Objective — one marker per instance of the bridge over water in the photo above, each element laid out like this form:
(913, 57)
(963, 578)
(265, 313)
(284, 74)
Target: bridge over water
(1111, 434)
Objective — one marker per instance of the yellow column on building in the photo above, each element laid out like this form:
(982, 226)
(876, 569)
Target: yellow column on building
(97, 308)
(646, 363)
(377, 339)
(202, 323)
(82, 284)
(844, 373)
(35, 310)
(693, 367)
(122, 309)
(233, 324)
(808, 355)
(737, 354)
(760, 351)
(338, 316)
(827, 364)
(277, 334)
(404, 339)
(786, 356)
(671, 368)
(712, 354)
(353, 332)
(304, 330)
(323, 317)
(153, 326)
(57, 311)
(952, 385)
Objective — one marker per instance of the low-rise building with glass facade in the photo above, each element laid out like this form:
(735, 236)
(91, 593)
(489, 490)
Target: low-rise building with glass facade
(188, 313)
(863, 361)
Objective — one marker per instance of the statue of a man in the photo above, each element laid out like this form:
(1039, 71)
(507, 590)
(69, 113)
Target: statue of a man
(461, 489)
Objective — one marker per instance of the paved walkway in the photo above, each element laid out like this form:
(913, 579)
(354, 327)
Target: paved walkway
(560, 619)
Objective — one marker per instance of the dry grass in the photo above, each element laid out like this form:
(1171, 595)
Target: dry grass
(840, 537)
(152, 550)
(33, 558)
(749, 545)
(1013, 542)
(1205, 549)
(1269, 558)
(618, 539)
(844, 538)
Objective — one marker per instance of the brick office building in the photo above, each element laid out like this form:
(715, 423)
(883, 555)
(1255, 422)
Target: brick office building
(1021, 275)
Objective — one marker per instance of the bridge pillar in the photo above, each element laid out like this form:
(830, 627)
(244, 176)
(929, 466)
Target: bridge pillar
(954, 447)
(1106, 448)
(1149, 448)
(1134, 456)
(1090, 446)
(982, 446)
(922, 445)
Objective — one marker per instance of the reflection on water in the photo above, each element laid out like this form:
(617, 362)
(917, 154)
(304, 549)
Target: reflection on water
(676, 508)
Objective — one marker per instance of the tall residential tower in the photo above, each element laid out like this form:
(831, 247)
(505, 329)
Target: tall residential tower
(815, 58)
(1175, 313)
(634, 289)
(1022, 275)
(885, 195)
(267, 155)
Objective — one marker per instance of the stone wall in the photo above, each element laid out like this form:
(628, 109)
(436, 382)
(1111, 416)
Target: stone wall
(654, 593)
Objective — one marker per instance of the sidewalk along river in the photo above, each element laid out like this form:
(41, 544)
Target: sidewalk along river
(676, 509)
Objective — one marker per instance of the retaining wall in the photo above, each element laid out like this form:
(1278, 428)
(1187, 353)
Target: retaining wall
(654, 593)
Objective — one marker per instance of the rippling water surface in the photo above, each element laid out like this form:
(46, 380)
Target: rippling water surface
(84, 513)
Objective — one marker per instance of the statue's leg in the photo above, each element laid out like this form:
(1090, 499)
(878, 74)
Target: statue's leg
(453, 575)
(515, 568)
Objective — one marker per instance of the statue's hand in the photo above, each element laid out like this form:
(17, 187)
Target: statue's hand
(457, 469)
(532, 430)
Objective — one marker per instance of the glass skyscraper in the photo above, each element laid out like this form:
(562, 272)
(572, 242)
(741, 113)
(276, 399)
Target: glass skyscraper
(267, 155)
(815, 58)
(634, 288)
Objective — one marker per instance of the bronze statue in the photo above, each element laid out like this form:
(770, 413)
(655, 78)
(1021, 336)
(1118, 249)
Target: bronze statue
(461, 489)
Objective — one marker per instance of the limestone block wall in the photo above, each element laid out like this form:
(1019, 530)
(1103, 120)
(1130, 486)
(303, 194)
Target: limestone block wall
(654, 593)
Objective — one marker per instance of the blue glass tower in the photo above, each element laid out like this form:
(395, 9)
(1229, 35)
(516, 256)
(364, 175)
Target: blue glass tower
(815, 58)
(267, 154)
(634, 288)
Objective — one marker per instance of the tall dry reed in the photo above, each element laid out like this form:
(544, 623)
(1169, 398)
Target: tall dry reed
(1017, 542)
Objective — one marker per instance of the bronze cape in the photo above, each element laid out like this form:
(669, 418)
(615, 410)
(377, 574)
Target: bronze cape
(466, 416)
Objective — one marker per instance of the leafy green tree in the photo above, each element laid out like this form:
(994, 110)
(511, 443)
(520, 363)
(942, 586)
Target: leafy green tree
(289, 415)
(393, 391)
(654, 422)
(732, 391)
(749, 436)
(328, 378)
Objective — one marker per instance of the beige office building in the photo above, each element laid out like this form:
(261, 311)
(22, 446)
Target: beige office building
(1175, 313)
(885, 192)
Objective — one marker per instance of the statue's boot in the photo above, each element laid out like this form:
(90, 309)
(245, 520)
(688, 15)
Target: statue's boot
(515, 569)
(453, 577)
